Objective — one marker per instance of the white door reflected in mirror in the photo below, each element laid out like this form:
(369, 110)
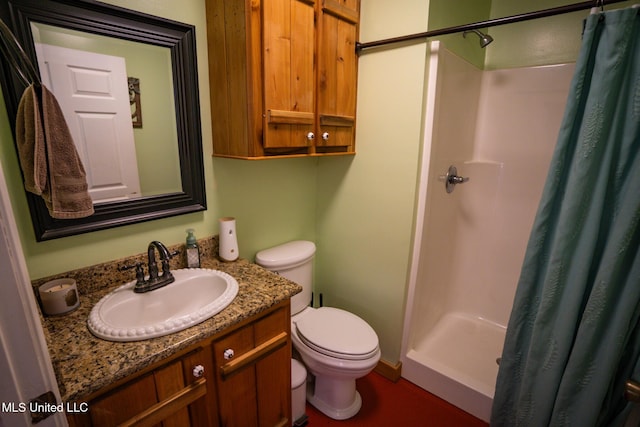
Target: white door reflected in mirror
(92, 90)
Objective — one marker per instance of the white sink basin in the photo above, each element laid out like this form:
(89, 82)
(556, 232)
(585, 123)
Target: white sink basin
(196, 295)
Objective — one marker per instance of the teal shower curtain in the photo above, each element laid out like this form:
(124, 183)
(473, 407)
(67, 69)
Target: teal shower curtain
(573, 338)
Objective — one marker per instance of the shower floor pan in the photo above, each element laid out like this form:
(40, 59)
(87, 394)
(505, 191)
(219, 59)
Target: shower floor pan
(457, 361)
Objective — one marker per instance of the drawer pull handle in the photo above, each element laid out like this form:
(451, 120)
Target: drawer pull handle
(228, 354)
(254, 355)
(198, 371)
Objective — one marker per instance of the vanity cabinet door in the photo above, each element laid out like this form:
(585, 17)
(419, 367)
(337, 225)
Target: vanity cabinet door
(273, 372)
(203, 411)
(123, 403)
(254, 372)
(171, 395)
(236, 391)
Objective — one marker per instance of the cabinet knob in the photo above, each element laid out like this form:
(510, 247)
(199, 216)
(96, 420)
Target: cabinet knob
(311, 136)
(228, 354)
(325, 136)
(198, 371)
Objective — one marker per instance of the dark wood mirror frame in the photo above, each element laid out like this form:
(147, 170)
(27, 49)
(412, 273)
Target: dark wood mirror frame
(106, 20)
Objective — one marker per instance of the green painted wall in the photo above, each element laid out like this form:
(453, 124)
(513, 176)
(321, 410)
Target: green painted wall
(273, 200)
(443, 15)
(366, 203)
(551, 40)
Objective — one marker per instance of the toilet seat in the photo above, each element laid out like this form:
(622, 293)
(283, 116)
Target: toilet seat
(337, 333)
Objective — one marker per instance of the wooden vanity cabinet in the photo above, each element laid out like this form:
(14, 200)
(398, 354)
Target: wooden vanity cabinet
(250, 388)
(283, 76)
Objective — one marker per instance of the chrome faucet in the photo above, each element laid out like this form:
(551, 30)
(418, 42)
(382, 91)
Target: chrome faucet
(155, 280)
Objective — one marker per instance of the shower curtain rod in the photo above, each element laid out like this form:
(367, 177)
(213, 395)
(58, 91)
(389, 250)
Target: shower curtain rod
(489, 23)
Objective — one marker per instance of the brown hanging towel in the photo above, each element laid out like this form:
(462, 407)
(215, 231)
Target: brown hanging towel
(48, 156)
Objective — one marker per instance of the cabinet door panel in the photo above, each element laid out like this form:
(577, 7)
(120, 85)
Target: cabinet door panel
(236, 393)
(337, 79)
(273, 382)
(124, 403)
(170, 380)
(204, 411)
(288, 69)
(273, 373)
(270, 326)
(347, 10)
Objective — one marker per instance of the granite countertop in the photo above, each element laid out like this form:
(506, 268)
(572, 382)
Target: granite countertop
(84, 363)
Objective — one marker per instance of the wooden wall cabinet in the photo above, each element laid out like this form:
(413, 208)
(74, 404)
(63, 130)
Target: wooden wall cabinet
(251, 387)
(283, 76)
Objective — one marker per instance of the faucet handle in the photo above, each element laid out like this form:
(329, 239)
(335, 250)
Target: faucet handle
(139, 270)
(165, 262)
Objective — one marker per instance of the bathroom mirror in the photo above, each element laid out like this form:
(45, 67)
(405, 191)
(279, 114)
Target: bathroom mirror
(160, 56)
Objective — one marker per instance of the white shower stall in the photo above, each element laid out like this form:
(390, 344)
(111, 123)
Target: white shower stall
(499, 129)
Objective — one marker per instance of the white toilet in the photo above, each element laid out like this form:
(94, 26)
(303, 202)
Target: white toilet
(336, 346)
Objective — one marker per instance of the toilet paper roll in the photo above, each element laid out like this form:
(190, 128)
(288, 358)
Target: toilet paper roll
(228, 245)
(59, 296)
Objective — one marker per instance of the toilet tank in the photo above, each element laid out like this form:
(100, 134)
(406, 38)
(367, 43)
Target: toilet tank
(294, 261)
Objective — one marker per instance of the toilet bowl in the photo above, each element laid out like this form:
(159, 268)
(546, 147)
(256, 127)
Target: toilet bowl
(336, 346)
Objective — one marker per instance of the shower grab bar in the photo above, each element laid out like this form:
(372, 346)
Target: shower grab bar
(632, 391)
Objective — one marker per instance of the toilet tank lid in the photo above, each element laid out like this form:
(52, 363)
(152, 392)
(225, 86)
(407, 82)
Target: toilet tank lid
(289, 253)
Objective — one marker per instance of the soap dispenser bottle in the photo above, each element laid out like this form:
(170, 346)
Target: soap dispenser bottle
(193, 251)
